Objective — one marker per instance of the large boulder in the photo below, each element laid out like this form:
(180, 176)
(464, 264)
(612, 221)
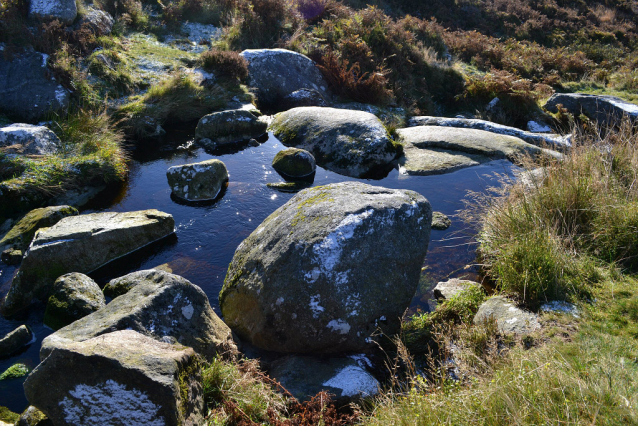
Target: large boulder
(294, 163)
(74, 296)
(352, 143)
(509, 318)
(162, 305)
(21, 234)
(227, 127)
(16, 340)
(82, 244)
(277, 73)
(64, 11)
(198, 181)
(27, 139)
(605, 109)
(432, 150)
(328, 267)
(27, 91)
(120, 378)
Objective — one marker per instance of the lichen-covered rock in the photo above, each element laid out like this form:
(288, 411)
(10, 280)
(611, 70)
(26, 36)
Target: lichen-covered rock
(447, 289)
(99, 21)
(21, 234)
(327, 268)
(440, 222)
(226, 127)
(302, 98)
(27, 91)
(82, 244)
(352, 143)
(16, 340)
(119, 378)
(121, 285)
(73, 296)
(64, 11)
(509, 318)
(605, 109)
(28, 139)
(294, 163)
(295, 186)
(346, 378)
(161, 305)
(198, 181)
(33, 417)
(277, 73)
(8, 417)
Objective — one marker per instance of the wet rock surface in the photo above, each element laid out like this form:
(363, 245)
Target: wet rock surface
(198, 181)
(28, 139)
(15, 341)
(122, 377)
(327, 268)
(509, 318)
(73, 296)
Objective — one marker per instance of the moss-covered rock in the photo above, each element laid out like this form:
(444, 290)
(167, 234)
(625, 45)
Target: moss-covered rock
(33, 417)
(74, 296)
(289, 186)
(20, 236)
(226, 127)
(8, 416)
(15, 372)
(327, 268)
(198, 181)
(440, 222)
(294, 163)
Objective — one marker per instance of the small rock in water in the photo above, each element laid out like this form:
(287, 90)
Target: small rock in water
(440, 222)
(11, 256)
(74, 296)
(450, 288)
(227, 127)
(509, 318)
(289, 186)
(15, 372)
(15, 340)
(294, 163)
(198, 181)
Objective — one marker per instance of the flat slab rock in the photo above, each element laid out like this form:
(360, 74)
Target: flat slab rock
(28, 139)
(82, 244)
(509, 318)
(119, 378)
(328, 268)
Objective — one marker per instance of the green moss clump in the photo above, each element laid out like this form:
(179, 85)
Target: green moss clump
(8, 416)
(14, 372)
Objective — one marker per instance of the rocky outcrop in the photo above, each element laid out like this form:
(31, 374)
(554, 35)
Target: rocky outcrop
(604, 109)
(21, 234)
(278, 73)
(27, 139)
(440, 222)
(74, 296)
(16, 340)
(294, 163)
(122, 377)
(27, 90)
(64, 11)
(509, 318)
(447, 289)
(162, 305)
(327, 268)
(82, 244)
(227, 127)
(538, 139)
(198, 181)
(352, 143)
(430, 150)
(99, 21)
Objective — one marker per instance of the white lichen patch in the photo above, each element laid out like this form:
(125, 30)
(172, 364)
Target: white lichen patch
(339, 326)
(353, 380)
(563, 307)
(110, 403)
(314, 305)
(187, 311)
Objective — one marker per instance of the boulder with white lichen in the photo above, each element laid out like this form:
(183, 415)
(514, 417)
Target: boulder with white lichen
(227, 127)
(198, 181)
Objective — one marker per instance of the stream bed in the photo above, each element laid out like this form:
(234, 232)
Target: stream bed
(207, 234)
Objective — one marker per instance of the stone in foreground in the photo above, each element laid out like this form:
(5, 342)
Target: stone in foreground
(20, 236)
(294, 163)
(16, 340)
(28, 139)
(162, 305)
(605, 109)
(227, 127)
(82, 244)
(74, 296)
(198, 181)
(327, 268)
(120, 378)
(509, 318)
(352, 143)
(447, 289)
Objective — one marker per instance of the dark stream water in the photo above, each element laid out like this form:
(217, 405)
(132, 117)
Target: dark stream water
(207, 235)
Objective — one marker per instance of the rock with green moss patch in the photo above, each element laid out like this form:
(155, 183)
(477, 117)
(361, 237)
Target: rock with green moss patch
(11, 256)
(440, 222)
(74, 296)
(294, 163)
(7, 416)
(21, 234)
(352, 143)
(121, 377)
(16, 340)
(509, 318)
(289, 186)
(198, 181)
(327, 268)
(82, 244)
(33, 417)
(227, 127)
(161, 305)
(15, 372)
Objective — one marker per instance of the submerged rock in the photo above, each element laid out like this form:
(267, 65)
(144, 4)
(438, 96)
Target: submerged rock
(28, 139)
(294, 163)
(16, 340)
(64, 11)
(447, 289)
(74, 296)
(226, 127)
(122, 378)
(21, 234)
(162, 305)
(198, 181)
(440, 222)
(352, 143)
(605, 109)
(327, 268)
(277, 73)
(509, 318)
(82, 244)
(33, 417)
